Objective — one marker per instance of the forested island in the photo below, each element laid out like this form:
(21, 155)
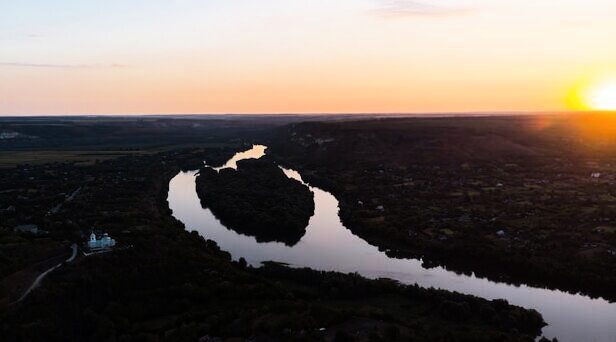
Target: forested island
(257, 199)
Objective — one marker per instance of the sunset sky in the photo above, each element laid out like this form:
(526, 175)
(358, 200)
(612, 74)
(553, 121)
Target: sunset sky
(305, 56)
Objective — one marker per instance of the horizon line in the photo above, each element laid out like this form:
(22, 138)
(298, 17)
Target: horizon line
(437, 113)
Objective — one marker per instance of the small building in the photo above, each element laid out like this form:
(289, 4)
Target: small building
(8, 135)
(9, 209)
(104, 242)
(27, 228)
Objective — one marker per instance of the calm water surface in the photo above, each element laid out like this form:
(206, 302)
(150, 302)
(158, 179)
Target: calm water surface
(328, 245)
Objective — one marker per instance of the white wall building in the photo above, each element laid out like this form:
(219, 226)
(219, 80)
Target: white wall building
(103, 243)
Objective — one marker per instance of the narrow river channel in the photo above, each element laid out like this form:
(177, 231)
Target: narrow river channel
(328, 245)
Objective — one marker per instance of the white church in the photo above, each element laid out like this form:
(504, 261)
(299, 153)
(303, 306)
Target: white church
(105, 242)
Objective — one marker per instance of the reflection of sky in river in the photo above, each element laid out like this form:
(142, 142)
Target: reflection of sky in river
(328, 245)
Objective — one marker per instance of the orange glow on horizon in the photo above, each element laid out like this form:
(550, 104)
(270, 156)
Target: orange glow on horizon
(276, 56)
(596, 94)
(603, 97)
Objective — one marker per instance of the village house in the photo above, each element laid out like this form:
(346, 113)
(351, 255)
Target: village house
(27, 228)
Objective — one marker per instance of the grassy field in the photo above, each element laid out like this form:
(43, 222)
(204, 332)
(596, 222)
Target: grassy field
(9, 159)
(12, 158)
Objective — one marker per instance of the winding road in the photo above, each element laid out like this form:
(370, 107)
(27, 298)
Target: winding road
(40, 278)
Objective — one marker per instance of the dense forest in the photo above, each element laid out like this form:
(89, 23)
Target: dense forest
(257, 199)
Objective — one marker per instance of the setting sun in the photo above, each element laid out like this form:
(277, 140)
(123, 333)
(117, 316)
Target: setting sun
(603, 97)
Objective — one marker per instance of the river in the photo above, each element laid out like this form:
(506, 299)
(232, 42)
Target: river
(328, 245)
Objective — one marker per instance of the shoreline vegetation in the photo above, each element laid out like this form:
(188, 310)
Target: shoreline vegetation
(257, 199)
(492, 196)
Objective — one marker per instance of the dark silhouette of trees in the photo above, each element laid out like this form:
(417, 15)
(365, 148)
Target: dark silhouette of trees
(258, 200)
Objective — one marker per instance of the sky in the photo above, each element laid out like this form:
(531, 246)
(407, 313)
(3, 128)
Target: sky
(304, 56)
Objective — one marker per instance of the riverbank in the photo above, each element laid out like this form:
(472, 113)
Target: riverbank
(570, 317)
(489, 196)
